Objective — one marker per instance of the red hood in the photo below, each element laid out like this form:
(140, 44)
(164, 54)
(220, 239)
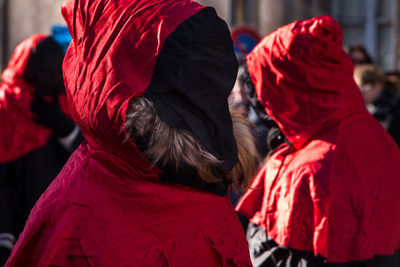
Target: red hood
(100, 82)
(303, 77)
(20, 134)
(334, 193)
(19, 60)
(111, 60)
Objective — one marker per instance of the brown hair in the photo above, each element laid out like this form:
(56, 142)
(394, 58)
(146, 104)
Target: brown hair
(368, 74)
(168, 145)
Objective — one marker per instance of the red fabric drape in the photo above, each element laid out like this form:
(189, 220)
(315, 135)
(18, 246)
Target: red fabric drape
(107, 207)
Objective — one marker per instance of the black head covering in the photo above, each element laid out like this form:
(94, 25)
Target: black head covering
(44, 68)
(194, 75)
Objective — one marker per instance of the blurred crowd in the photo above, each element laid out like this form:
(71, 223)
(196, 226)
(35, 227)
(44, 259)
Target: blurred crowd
(130, 151)
(380, 90)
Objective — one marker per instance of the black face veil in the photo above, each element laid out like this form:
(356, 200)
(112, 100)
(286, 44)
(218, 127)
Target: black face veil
(194, 75)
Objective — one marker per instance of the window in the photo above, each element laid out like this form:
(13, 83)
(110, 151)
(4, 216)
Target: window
(371, 23)
(243, 12)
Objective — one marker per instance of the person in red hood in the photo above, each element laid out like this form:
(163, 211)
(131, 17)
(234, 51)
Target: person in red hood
(330, 196)
(147, 84)
(36, 133)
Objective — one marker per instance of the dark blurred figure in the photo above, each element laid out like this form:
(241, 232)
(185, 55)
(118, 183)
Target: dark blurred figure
(37, 134)
(380, 97)
(273, 135)
(266, 132)
(393, 78)
(239, 99)
(358, 54)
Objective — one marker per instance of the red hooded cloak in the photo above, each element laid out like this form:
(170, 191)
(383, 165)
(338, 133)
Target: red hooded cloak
(20, 134)
(336, 192)
(108, 207)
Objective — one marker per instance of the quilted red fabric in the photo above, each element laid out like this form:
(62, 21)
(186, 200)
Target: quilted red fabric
(108, 207)
(19, 134)
(336, 192)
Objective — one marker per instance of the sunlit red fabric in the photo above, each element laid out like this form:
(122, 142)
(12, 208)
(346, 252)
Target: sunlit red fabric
(337, 191)
(107, 207)
(19, 134)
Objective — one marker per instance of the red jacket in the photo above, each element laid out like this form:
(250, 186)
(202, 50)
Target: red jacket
(108, 207)
(336, 192)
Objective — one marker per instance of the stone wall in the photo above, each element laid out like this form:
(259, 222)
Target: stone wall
(27, 17)
(270, 16)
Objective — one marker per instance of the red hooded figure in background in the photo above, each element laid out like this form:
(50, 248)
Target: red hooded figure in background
(147, 83)
(330, 196)
(35, 130)
(23, 134)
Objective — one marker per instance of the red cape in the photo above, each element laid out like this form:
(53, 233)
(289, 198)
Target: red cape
(337, 192)
(108, 207)
(20, 134)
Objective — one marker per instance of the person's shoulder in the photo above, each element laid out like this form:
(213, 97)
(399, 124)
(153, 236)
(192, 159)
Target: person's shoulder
(69, 235)
(318, 150)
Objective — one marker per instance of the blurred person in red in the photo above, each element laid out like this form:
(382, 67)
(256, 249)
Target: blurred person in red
(330, 196)
(148, 85)
(37, 134)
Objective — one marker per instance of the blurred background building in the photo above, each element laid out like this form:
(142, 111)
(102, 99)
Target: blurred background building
(20, 19)
(373, 23)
